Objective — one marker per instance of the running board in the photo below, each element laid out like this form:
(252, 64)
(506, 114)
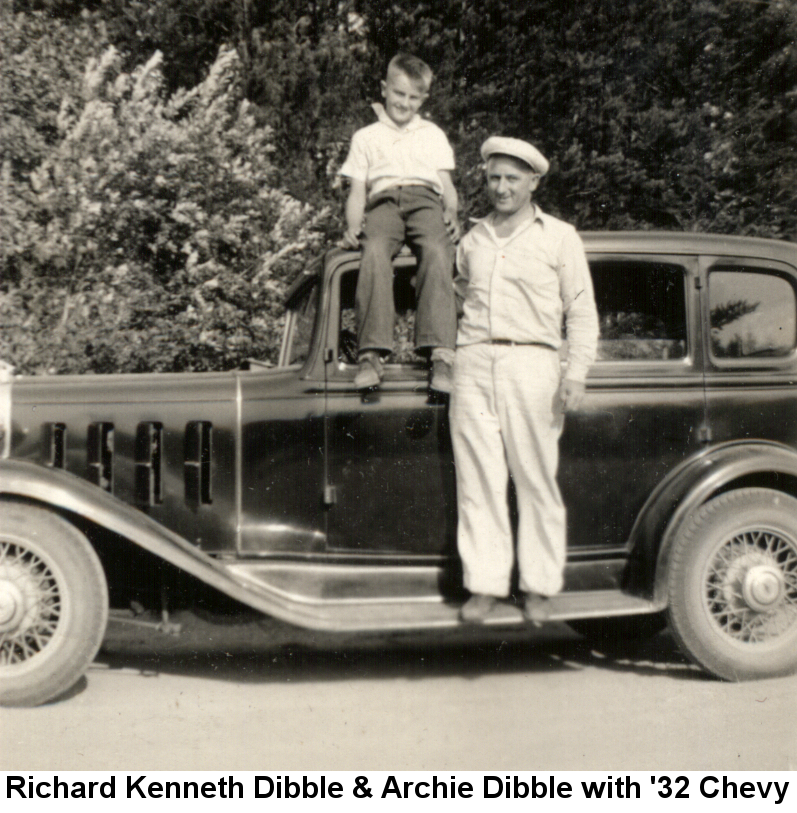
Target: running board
(372, 598)
(398, 616)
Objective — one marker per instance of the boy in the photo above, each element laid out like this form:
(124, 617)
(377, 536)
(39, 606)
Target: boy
(400, 172)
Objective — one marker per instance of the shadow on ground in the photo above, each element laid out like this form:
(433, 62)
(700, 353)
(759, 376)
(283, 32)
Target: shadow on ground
(258, 652)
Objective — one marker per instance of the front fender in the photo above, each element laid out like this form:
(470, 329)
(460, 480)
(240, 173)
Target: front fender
(66, 492)
(686, 488)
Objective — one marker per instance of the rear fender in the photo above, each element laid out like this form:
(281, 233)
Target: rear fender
(690, 485)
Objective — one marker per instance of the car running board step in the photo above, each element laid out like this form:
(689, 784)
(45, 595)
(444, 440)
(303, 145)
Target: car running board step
(332, 601)
(563, 607)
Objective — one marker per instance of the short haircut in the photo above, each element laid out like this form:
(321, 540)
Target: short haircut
(413, 67)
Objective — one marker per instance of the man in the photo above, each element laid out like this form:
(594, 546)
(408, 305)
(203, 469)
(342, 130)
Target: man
(521, 275)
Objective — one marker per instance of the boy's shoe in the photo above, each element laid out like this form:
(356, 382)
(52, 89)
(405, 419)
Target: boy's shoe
(476, 609)
(369, 372)
(537, 608)
(442, 378)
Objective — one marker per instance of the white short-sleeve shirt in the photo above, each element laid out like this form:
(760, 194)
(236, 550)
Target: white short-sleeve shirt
(384, 155)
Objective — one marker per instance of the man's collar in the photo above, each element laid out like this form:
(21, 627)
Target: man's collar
(415, 122)
(537, 215)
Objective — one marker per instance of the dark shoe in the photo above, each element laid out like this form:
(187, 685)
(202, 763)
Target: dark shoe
(442, 378)
(369, 372)
(476, 609)
(537, 608)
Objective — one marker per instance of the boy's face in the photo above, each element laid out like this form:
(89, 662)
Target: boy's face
(403, 97)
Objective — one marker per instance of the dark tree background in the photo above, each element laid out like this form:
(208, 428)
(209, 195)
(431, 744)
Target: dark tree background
(669, 114)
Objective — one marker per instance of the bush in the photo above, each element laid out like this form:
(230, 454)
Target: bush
(152, 235)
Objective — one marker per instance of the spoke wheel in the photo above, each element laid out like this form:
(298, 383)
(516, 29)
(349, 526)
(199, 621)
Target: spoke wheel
(30, 604)
(733, 585)
(53, 604)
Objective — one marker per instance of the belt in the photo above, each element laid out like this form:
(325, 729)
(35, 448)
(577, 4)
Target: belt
(510, 343)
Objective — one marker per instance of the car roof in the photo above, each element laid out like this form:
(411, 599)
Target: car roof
(607, 242)
(688, 243)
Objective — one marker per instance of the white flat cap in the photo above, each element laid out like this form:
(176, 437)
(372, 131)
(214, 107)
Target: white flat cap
(528, 153)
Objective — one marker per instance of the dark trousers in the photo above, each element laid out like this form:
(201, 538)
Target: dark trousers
(411, 215)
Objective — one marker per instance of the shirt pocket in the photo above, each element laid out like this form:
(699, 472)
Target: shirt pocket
(532, 272)
(482, 262)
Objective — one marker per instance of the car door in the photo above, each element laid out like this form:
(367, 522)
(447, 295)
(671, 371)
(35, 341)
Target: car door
(644, 409)
(390, 468)
(751, 334)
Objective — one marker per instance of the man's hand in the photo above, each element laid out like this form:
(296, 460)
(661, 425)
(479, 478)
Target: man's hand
(571, 393)
(350, 239)
(452, 225)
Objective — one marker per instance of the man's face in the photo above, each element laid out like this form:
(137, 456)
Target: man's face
(510, 183)
(403, 97)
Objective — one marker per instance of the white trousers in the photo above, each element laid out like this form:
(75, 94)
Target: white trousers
(506, 418)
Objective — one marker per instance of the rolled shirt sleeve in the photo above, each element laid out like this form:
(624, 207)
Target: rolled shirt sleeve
(356, 164)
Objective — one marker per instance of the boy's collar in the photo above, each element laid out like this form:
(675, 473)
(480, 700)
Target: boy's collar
(383, 117)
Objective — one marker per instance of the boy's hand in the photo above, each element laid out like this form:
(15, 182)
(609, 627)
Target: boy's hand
(351, 239)
(355, 212)
(452, 225)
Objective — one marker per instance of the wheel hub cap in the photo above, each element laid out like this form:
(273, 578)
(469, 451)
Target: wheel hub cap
(751, 586)
(763, 587)
(12, 605)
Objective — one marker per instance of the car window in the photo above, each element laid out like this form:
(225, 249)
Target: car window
(641, 305)
(299, 326)
(642, 309)
(403, 351)
(753, 313)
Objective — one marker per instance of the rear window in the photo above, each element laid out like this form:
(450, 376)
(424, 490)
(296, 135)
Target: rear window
(753, 313)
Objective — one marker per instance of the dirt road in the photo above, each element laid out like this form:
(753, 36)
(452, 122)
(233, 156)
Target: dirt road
(152, 702)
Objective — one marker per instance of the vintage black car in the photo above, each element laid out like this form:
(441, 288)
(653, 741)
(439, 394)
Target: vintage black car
(286, 490)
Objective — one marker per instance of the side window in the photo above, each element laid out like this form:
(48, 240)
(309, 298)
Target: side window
(753, 313)
(403, 329)
(299, 326)
(642, 309)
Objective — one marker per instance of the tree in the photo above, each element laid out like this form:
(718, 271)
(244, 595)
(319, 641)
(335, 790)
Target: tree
(673, 114)
(41, 63)
(729, 312)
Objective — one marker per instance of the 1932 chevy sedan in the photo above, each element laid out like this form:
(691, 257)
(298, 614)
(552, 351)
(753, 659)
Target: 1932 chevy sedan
(333, 510)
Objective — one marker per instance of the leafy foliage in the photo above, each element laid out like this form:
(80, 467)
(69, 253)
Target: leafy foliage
(154, 205)
(42, 62)
(729, 312)
(148, 237)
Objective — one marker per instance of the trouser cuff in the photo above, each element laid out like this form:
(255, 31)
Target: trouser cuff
(445, 354)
